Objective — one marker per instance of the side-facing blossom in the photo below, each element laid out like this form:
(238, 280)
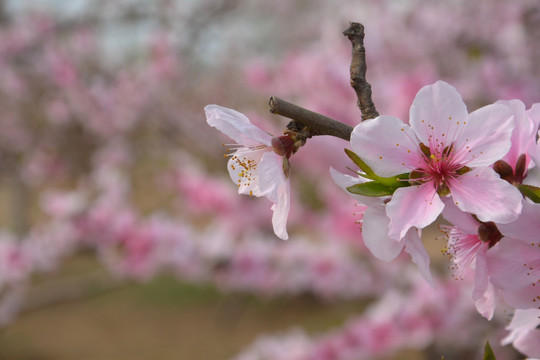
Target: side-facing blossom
(514, 166)
(258, 163)
(446, 151)
(505, 258)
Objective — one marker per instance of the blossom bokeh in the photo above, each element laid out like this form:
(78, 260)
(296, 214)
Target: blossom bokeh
(122, 230)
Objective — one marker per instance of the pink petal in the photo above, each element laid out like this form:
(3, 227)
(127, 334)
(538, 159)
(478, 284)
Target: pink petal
(375, 234)
(526, 298)
(534, 115)
(438, 114)
(483, 193)
(514, 267)
(523, 332)
(419, 255)
(387, 145)
(485, 304)
(416, 206)
(484, 292)
(281, 211)
(236, 126)
(481, 147)
(524, 133)
(459, 218)
(526, 227)
(529, 344)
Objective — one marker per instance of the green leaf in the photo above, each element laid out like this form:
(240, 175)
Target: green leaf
(393, 181)
(361, 164)
(371, 188)
(488, 352)
(532, 192)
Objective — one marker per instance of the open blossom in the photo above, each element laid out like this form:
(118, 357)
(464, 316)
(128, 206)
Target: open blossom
(259, 162)
(446, 151)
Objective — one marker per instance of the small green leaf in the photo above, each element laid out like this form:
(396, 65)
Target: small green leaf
(488, 352)
(532, 192)
(371, 188)
(360, 163)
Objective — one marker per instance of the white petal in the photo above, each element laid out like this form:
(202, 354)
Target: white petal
(375, 234)
(281, 211)
(243, 171)
(236, 126)
(270, 175)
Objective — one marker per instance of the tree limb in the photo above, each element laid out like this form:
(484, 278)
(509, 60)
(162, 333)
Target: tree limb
(355, 33)
(316, 124)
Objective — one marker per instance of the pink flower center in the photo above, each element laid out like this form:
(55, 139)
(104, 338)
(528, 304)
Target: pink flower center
(438, 167)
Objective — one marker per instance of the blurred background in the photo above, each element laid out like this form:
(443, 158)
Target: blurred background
(122, 235)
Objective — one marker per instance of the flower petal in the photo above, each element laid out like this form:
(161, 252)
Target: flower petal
(270, 175)
(514, 267)
(501, 202)
(416, 206)
(281, 210)
(387, 145)
(243, 170)
(484, 292)
(375, 234)
(480, 147)
(527, 225)
(419, 255)
(438, 115)
(236, 126)
(461, 219)
(523, 135)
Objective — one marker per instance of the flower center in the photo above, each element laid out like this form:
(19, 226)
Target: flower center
(439, 167)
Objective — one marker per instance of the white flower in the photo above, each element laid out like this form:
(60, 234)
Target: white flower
(259, 162)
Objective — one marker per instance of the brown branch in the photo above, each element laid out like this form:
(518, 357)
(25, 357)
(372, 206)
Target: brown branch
(355, 33)
(315, 123)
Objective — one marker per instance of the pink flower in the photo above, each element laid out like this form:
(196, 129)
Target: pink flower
(467, 253)
(447, 151)
(259, 164)
(505, 258)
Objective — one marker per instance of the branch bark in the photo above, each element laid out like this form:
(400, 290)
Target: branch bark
(355, 33)
(316, 124)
